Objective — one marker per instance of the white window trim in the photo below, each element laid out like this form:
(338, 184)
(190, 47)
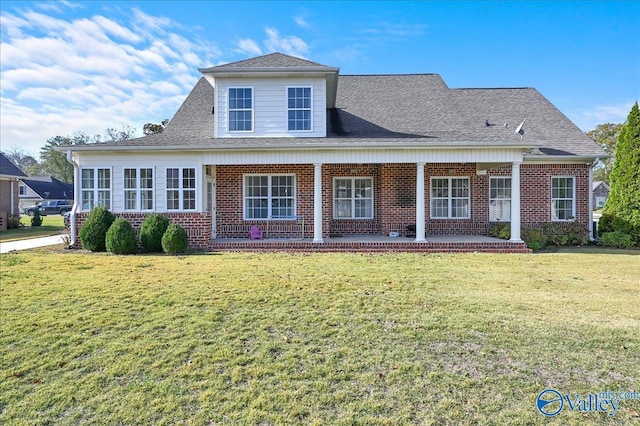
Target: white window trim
(138, 189)
(491, 178)
(449, 198)
(286, 94)
(353, 198)
(252, 109)
(269, 196)
(573, 199)
(95, 188)
(181, 189)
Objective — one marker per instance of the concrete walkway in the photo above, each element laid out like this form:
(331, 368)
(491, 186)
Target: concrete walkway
(8, 246)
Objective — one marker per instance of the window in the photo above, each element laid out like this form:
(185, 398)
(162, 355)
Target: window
(299, 108)
(500, 199)
(96, 188)
(181, 188)
(562, 198)
(138, 189)
(450, 198)
(269, 197)
(241, 109)
(353, 198)
(22, 190)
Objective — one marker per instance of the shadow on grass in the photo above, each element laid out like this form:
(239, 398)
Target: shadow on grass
(591, 249)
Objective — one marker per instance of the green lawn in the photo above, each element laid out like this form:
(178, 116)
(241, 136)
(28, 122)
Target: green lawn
(51, 225)
(314, 338)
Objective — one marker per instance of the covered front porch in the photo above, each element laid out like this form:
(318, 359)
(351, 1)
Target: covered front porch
(374, 243)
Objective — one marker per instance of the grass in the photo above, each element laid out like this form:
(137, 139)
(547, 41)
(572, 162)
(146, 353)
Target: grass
(314, 338)
(51, 225)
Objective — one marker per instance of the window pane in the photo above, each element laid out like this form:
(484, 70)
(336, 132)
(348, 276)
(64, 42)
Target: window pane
(87, 179)
(189, 200)
(146, 200)
(173, 200)
(130, 180)
(146, 178)
(104, 178)
(129, 200)
(188, 178)
(173, 180)
(342, 208)
(87, 200)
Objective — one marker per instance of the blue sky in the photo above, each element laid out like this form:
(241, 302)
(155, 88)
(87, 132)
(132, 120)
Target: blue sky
(69, 66)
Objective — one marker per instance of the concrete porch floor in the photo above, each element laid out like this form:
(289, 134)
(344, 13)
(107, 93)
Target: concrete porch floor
(374, 243)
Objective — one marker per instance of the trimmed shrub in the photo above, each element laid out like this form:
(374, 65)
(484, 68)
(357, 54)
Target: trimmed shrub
(535, 239)
(94, 230)
(501, 230)
(617, 239)
(175, 239)
(152, 230)
(121, 238)
(36, 219)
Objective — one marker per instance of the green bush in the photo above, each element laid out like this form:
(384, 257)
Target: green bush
(36, 219)
(152, 230)
(121, 238)
(566, 233)
(14, 222)
(94, 230)
(501, 230)
(535, 239)
(175, 239)
(617, 239)
(605, 223)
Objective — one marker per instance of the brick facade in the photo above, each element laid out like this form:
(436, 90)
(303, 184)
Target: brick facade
(394, 198)
(394, 201)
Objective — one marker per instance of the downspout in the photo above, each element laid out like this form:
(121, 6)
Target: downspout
(592, 231)
(76, 197)
(12, 200)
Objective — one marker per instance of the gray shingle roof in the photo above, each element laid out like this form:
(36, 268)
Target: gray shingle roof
(7, 168)
(392, 110)
(272, 60)
(49, 187)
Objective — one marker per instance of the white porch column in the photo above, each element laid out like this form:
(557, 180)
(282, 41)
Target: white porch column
(317, 203)
(420, 230)
(515, 202)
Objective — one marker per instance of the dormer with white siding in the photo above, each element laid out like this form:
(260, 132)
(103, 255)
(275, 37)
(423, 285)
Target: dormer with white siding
(274, 95)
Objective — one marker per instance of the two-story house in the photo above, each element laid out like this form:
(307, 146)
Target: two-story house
(311, 156)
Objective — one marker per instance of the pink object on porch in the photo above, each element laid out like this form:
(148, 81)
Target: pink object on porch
(255, 233)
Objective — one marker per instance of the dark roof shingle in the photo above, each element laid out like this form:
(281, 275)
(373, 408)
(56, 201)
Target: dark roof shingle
(7, 168)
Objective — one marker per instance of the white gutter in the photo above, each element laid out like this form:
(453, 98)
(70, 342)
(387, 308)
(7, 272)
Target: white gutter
(76, 196)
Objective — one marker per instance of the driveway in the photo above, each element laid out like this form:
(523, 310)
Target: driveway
(31, 243)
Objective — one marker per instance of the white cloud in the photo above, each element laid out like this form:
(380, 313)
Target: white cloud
(302, 22)
(589, 119)
(291, 45)
(246, 45)
(61, 75)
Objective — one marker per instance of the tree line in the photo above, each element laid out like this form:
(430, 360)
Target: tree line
(54, 163)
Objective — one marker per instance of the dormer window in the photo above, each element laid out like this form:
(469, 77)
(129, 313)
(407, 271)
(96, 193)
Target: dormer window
(299, 109)
(240, 109)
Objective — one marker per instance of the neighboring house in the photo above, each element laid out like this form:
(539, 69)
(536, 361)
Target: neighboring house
(600, 194)
(36, 189)
(299, 150)
(9, 182)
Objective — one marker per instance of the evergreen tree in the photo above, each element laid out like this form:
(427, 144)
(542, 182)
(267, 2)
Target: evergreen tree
(624, 198)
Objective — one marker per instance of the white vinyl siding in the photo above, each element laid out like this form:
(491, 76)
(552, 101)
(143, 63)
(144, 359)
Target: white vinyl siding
(563, 200)
(500, 199)
(138, 189)
(270, 107)
(95, 188)
(450, 198)
(181, 188)
(269, 197)
(353, 198)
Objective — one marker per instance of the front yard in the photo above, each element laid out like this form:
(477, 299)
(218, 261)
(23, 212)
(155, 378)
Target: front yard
(314, 338)
(51, 225)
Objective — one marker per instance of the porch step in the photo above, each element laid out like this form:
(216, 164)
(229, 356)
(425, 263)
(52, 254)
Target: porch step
(275, 245)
